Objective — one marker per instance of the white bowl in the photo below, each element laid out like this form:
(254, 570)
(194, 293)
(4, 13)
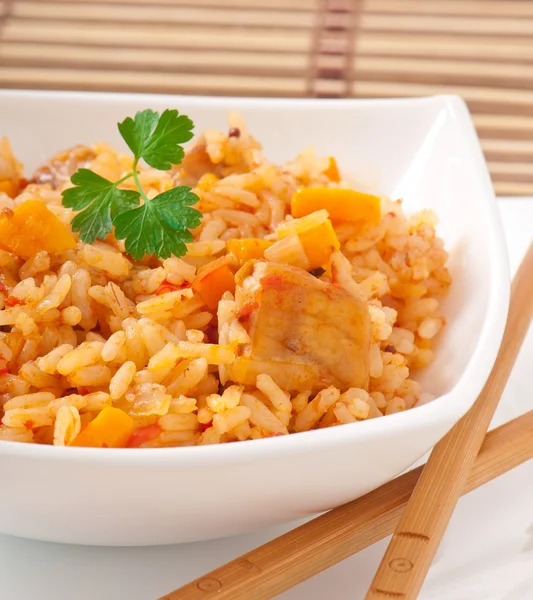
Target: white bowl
(424, 150)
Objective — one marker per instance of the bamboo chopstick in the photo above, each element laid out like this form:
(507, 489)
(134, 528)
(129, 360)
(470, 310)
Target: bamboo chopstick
(326, 540)
(418, 534)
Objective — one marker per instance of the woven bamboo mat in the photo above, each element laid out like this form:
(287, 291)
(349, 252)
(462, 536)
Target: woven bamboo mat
(480, 49)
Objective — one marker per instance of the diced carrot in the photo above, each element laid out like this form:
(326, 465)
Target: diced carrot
(341, 204)
(111, 428)
(143, 435)
(332, 172)
(319, 243)
(32, 227)
(247, 248)
(213, 280)
(316, 235)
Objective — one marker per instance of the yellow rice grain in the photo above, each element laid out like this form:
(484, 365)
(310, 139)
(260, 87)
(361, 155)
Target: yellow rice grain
(71, 315)
(182, 405)
(86, 354)
(231, 418)
(279, 398)
(179, 422)
(48, 363)
(122, 379)
(67, 425)
(316, 409)
(261, 416)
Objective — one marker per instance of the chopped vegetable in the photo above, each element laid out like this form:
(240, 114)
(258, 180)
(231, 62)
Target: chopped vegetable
(111, 428)
(302, 224)
(158, 226)
(341, 204)
(319, 243)
(143, 435)
(166, 287)
(3, 365)
(332, 172)
(316, 235)
(213, 280)
(13, 301)
(248, 248)
(32, 227)
(10, 188)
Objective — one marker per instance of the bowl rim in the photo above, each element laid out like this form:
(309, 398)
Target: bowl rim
(446, 408)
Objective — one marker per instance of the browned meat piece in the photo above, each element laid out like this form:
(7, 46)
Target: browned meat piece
(63, 165)
(196, 161)
(305, 333)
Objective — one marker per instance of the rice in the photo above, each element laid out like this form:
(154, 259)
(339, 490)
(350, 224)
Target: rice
(91, 329)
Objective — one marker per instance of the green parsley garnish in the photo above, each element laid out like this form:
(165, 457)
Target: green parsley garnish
(159, 226)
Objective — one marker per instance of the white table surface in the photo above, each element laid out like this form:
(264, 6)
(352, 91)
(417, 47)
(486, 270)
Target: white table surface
(487, 553)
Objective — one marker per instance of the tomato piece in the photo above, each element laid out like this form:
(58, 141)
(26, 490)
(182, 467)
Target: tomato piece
(143, 435)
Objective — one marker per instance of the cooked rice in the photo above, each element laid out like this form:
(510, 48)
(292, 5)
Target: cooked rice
(86, 329)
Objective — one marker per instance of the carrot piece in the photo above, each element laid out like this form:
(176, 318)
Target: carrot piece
(332, 172)
(341, 204)
(213, 280)
(319, 243)
(32, 227)
(248, 248)
(316, 235)
(111, 428)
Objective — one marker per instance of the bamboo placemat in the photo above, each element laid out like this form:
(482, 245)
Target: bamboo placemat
(480, 49)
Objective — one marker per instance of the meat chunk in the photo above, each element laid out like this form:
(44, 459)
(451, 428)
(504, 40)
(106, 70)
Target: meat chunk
(59, 169)
(197, 162)
(305, 333)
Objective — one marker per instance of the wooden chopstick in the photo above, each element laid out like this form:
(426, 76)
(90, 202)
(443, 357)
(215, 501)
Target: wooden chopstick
(418, 534)
(332, 537)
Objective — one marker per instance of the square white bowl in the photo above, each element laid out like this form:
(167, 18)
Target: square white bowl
(423, 150)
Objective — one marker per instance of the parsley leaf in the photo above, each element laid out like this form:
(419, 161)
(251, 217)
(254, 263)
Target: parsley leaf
(157, 139)
(160, 225)
(102, 202)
